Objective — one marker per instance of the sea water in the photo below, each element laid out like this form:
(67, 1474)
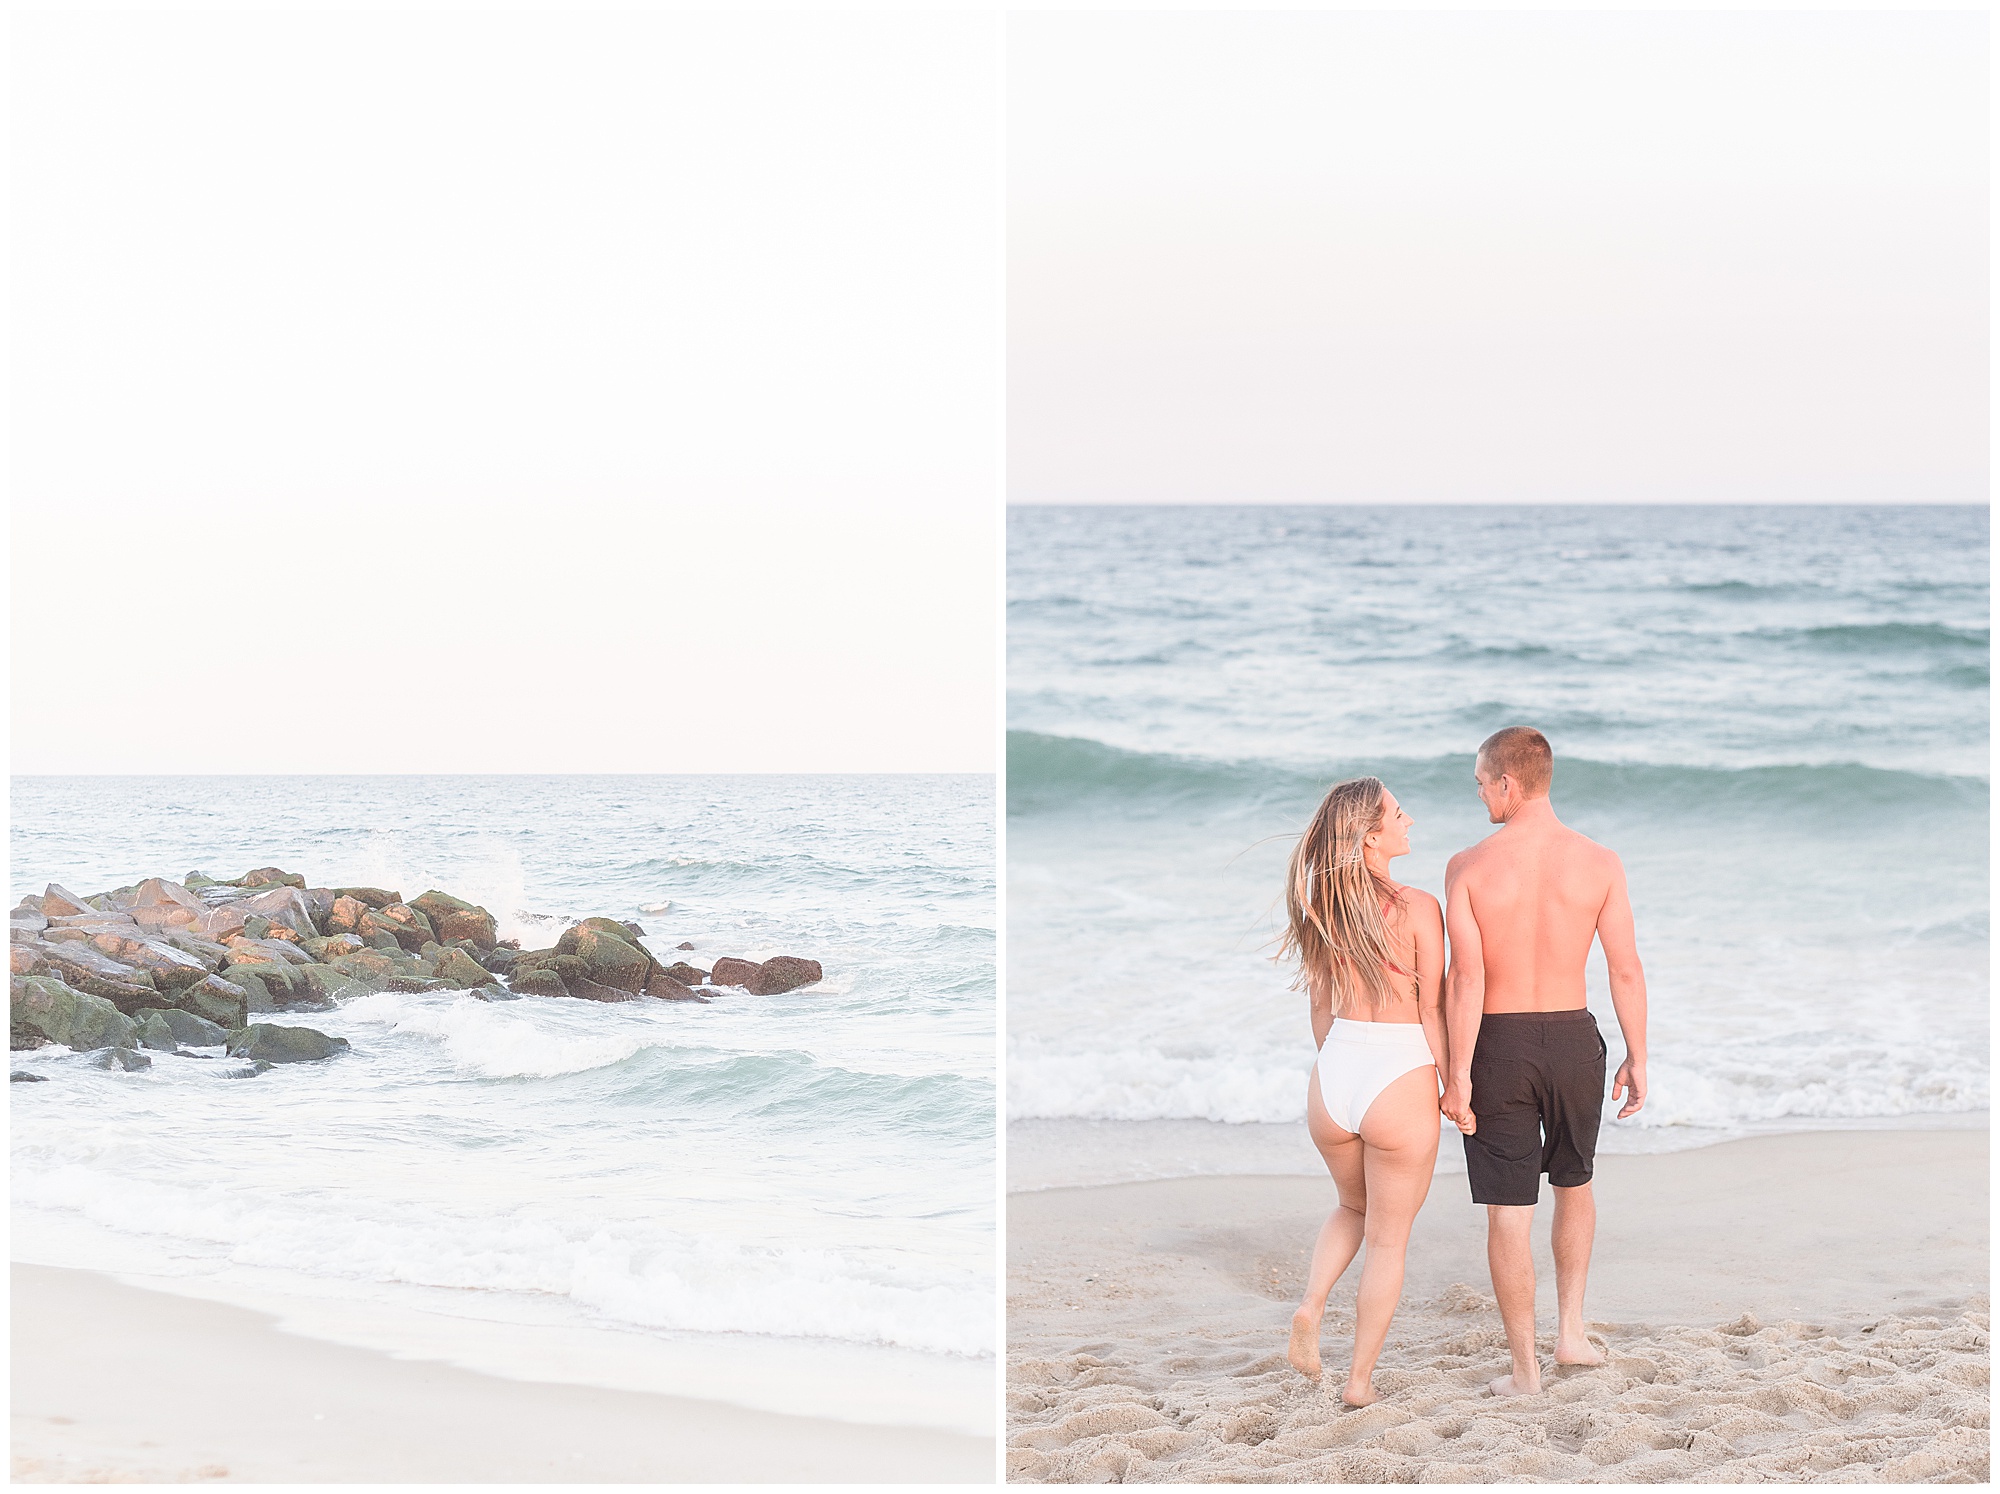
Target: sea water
(1776, 716)
(813, 1169)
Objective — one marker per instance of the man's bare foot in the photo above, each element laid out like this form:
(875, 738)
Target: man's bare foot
(1359, 1393)
(1303, 1351)
(1578, 1350)
(1505, 1386)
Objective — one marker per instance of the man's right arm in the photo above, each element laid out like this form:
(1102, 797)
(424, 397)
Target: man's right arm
(1617, 934)
(1464, 995)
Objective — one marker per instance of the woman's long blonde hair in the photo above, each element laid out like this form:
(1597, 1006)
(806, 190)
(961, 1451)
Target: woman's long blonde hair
(1335, 925)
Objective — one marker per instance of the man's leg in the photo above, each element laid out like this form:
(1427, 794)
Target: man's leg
(1510, 1256)
(1575, 1229)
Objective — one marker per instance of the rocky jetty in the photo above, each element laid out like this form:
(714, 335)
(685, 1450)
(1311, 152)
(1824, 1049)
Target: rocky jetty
(174, 966)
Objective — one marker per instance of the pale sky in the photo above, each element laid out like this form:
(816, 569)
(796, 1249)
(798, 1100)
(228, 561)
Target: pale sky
(493, 392)
(1456, 257)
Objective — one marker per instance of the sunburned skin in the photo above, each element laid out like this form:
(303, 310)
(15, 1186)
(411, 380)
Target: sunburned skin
(1521, 909)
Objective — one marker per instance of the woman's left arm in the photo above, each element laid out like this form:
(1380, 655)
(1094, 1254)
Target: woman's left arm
(1429, 921)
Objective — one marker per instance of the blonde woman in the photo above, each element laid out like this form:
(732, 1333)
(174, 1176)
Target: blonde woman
(1371, 957)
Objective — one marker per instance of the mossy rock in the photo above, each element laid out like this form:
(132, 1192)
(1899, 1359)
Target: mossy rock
(783, 973)
(454, 918)
(372, 897)
(183, 1028)
(270, 876)
(266, 1042)
(153, 1032)
(536, 981)
(461, 972)
(274, 987)
(405, 924)
(330, 947)
(215, 1000)
(43, 1009)
(609, 958)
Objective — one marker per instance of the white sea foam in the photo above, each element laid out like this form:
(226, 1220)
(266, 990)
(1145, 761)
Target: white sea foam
(498, 1040)
(634, 1277)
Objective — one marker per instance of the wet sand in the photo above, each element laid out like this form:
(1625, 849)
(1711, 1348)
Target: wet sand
(113, 1383)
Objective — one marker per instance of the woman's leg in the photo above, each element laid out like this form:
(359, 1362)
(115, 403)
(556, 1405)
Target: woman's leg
(1339, 1237)
(1399, 1137)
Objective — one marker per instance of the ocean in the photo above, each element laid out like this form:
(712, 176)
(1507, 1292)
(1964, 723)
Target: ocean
(1776, 715)
(811, 1172)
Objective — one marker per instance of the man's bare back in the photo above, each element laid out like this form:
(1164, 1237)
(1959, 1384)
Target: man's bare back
(1535, 891)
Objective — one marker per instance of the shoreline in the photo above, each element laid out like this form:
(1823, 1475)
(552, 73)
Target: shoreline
(1080, 1152)
(117, 1382)
(511, 1336)
(1783, 1307)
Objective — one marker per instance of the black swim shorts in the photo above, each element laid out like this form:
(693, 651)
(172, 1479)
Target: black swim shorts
(1537, 1095)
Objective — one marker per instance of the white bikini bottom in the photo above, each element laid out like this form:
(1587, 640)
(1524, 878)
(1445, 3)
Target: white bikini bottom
(1359, 1060)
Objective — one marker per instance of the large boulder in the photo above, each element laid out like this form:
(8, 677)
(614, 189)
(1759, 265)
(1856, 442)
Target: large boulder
(666, 988)
(536, 981)
(329, 986)
(24, 957)
(686, 974)
(409, 928)
(212, 955)
(732, 972)
(128, 1059)
(270, 876)
(43, 1010)
(28, 920)
(275, 988)
(344, 916)
(220, 923)
(373, 966)
(85, 967)
(370, 897)
(331, 946)
(319, 903)
(244, 950)
(282, 905)
(91, 921)
(162, 918)
(224, 1002)
(585, 989)
(783, 973)
(158, 892)
(461, 972)
(452, 918)
(170, 968)
(182, 1029)
(609, 958)
(59, 900)
(266, 1042)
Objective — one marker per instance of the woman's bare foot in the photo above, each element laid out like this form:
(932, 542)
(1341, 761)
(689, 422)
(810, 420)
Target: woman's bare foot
(1359, 1393)
(1303, 1351)
(1579, 1350)
(1505, 1386)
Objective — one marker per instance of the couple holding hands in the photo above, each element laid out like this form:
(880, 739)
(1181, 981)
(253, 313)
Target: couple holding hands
(1505, 1025)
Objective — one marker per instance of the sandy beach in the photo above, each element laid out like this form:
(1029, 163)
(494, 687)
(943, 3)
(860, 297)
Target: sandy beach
(113, 1383)
(1788, 1308)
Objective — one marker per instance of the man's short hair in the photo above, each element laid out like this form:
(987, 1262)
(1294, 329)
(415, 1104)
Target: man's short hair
(1521, 753)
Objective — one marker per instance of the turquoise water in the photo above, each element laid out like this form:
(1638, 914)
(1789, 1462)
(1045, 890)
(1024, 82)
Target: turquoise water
(817, 1164)
(1777, 716)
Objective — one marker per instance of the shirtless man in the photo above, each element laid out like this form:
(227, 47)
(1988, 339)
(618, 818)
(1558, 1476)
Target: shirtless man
(1526, 1085)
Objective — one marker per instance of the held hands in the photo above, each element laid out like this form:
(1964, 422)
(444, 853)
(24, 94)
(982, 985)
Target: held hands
(1631, 1079)
(1457, 1106)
